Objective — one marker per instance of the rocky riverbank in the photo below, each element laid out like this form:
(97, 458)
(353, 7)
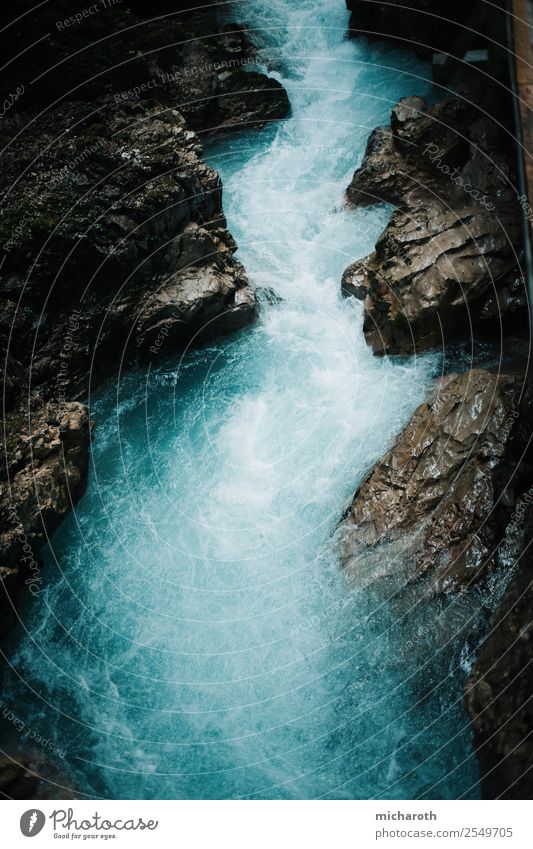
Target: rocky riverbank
(450, 501)
(447, 264)
(448, 485)
(115, 249)
(116, 253)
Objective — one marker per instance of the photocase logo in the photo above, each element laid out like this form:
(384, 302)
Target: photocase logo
(32, 822)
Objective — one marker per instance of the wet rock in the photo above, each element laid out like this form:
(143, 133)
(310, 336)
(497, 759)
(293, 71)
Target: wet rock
(446, 264)
(450, 153)
(434, 273)
(223, 89)
(47, 473)
(46, 452)
(445, 489)
(133, 207)
(401, 162)
(115, 244)
(195, 306)
(498, 692)
(249, 99)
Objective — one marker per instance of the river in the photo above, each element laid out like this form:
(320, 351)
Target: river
(197, 637)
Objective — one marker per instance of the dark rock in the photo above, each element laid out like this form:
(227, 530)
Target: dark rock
(499, 692)
(16, 781)
(115, 243)
(249, 99)
(446, 265)
(445, 488)
(47, 455)
(30, 776)
(223, 90)
(195, 306)
(429, 153)
(9, 597)
(181, 59)
(117, 225)
(48, 470)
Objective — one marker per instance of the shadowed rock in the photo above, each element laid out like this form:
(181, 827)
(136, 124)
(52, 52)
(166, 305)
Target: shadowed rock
(499, 692)
(422, 25)
(114, 214)
(47, 451)
(32, 777)
(115, 244)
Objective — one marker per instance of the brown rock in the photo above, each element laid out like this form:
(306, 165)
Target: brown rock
(196, 304)
(157, 211)
(249, 99)
(439, 489)
(446, 264)
(432, 276)
(115, 242)
(401, 162)
(47, 475)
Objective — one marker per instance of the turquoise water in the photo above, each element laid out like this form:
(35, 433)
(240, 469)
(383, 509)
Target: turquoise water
(197, 637)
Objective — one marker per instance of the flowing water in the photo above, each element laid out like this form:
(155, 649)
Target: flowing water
(197, 637)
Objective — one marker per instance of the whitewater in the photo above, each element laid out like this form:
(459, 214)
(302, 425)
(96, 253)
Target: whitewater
(197, 637)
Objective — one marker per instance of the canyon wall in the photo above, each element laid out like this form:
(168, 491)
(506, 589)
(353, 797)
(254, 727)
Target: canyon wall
(115, 250)
(450, 502)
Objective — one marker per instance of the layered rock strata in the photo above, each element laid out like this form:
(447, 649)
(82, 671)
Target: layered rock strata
(448, 263)
(448, 483)
(115, 245)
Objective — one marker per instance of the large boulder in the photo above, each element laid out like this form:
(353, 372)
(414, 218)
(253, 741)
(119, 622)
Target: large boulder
(248, 99)
(434, 275)
(447, 264)
(442, 495)
(450, 152)
(122, 213)
(401, 165)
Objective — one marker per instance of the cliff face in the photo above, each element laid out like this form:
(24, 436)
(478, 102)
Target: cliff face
(115, 245)
(108, 221)
(449, 503)
(451, 500)
(186, 59)
(446, 265)
(448, 483)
